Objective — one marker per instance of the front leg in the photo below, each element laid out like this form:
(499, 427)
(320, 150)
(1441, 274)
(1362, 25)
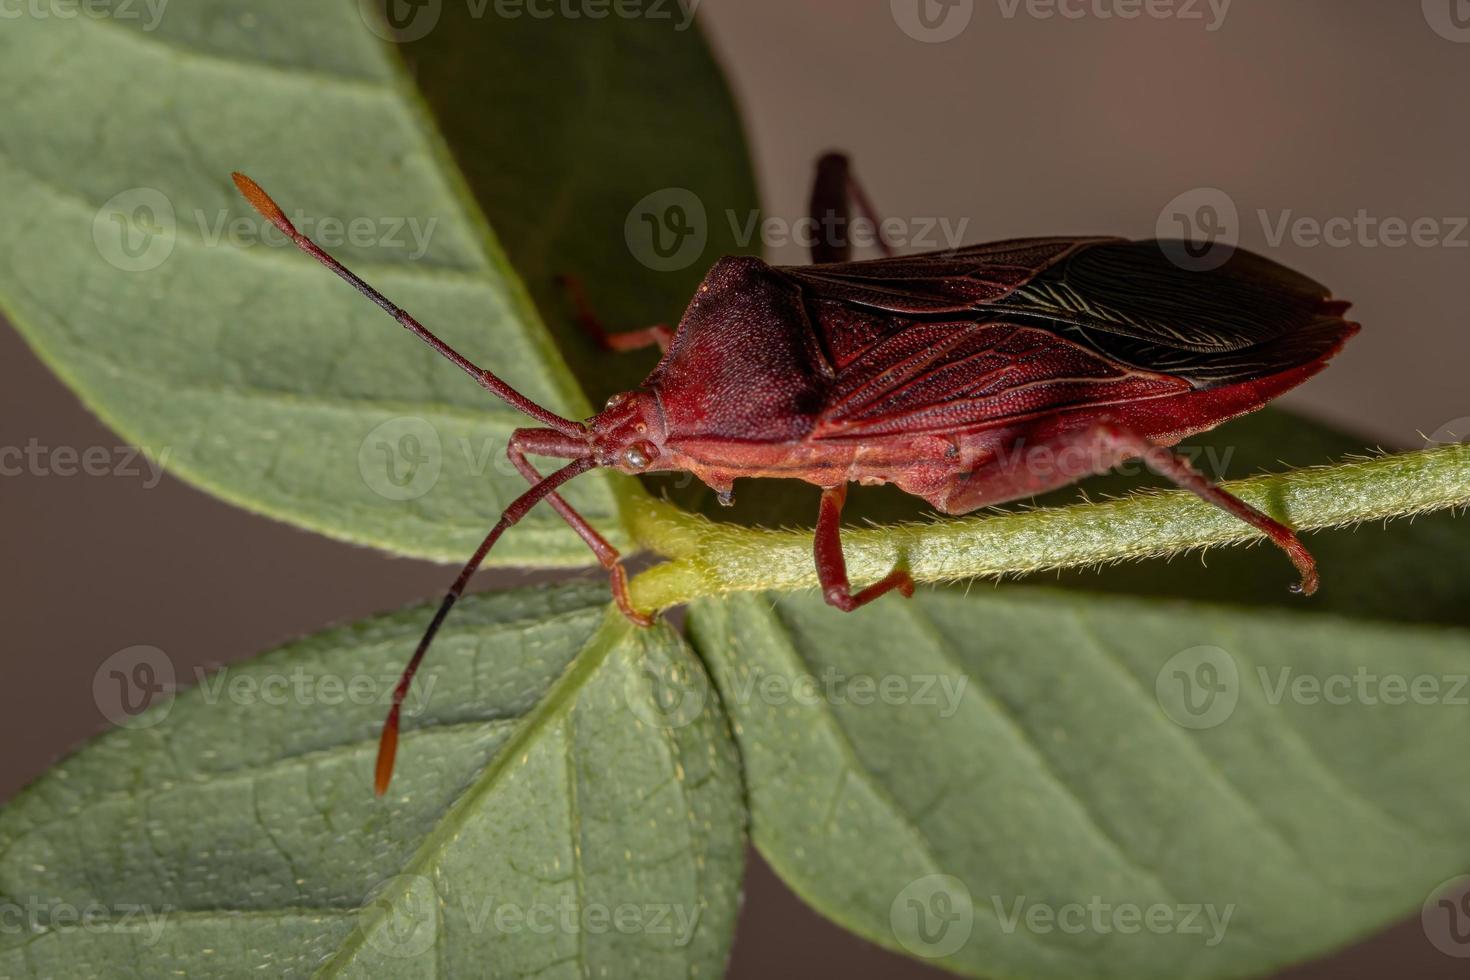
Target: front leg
(523, 441)
(660, 334)
(832, 567)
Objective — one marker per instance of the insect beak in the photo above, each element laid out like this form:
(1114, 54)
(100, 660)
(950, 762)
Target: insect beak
(553, 444)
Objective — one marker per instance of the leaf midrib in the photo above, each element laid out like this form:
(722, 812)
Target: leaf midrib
(559, 699)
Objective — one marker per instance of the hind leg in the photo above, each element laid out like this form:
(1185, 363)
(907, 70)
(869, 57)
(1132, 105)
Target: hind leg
(1019, 471)
(833, 191)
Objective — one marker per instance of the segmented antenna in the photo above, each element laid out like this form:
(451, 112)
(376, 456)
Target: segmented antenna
(272, 212)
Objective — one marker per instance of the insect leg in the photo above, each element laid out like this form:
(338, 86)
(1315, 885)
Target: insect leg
(388, 742)
(523, 440)
(1172, 466)
(832, 567)
(831, 191)
(626, 340)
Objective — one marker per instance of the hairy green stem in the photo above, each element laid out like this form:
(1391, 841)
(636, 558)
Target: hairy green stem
(712, 559)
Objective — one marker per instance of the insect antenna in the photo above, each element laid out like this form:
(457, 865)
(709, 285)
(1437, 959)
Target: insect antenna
(388, 743)
(272, 212)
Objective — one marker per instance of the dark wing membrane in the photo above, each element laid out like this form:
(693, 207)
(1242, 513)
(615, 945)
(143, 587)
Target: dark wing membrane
(937, 282)
(1101, 322)
(1141, 303)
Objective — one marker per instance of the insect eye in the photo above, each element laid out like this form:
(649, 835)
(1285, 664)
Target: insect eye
(639, 455)
(617, 399)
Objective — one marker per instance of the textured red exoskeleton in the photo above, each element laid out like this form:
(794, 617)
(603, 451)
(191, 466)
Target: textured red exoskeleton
(968, 378)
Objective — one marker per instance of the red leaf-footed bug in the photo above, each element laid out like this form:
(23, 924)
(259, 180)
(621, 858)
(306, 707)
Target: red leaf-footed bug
(967, 377)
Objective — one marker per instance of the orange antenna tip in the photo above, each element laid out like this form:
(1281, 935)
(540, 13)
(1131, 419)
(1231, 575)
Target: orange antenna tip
(387, 749)
(262, 202)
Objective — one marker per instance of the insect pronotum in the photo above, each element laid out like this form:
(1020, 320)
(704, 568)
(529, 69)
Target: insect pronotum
(967, 377)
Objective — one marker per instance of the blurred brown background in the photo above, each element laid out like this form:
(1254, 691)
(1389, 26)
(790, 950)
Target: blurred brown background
(1027, 118)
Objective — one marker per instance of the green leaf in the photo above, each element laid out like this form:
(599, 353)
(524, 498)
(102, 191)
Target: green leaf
(967, 778)
(138, 274)
(555, 812)
(628, 116)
